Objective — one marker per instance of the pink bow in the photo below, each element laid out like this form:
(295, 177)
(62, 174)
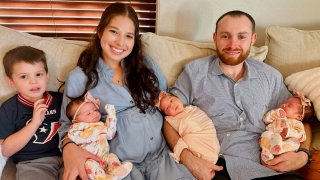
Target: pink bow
(162, 94)
(304, 101)
(88, 98)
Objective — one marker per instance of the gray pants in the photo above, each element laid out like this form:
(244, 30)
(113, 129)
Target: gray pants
(49, 168)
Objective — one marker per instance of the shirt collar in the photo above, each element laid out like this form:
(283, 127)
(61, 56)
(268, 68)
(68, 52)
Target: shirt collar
(47, 96)
(103, 67)
(250, 72)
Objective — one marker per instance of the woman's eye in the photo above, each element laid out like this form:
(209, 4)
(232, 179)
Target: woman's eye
(39, 74)
(113, 31)
(130, 37)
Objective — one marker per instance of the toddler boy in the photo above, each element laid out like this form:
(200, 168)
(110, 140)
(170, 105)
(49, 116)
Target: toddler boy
(30, 119)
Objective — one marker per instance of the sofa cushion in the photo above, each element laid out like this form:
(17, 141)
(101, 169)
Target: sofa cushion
(62, 56)
(292, 50)
(172, 54)
(307, 82)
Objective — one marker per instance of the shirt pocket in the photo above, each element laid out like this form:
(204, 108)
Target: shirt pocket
(256, 111)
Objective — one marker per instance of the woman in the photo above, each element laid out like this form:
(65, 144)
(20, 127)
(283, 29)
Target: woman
(113, 70)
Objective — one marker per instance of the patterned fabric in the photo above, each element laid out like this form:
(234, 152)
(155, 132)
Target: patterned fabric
(93, 138)
(282, 135)
(236, 108)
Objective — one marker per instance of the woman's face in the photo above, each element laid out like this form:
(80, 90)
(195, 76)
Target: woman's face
(117, 39)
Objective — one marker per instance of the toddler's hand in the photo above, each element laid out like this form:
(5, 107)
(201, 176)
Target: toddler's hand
(39, 110)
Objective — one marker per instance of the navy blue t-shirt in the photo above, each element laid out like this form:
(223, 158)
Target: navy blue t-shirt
(17, 111)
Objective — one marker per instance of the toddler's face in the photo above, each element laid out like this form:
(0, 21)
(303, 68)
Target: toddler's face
(171, 105)
(293, 108)
(31, 80)
(88, 113)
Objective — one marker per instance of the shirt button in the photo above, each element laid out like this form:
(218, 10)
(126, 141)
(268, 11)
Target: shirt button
(151, 138)
(238, 102)
(131, 102)
(241, 119)
(228, 134)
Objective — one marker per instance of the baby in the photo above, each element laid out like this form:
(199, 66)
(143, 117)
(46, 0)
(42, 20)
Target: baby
(91, 134)
(285, 131)
(196, 129)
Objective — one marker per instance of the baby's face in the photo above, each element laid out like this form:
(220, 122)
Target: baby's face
(171, 105)
(293, 108)
(88, 113)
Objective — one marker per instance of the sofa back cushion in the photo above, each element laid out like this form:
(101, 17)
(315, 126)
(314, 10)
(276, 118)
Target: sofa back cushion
(292, 50)
(62, 56)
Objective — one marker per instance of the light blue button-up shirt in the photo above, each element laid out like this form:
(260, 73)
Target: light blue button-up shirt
(236, 108)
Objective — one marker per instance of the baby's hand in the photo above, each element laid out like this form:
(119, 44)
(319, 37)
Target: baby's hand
(39, 110)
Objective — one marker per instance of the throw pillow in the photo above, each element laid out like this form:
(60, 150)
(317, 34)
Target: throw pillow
(292, 50)
(307, 82)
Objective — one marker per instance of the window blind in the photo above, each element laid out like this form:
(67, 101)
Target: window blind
(70, 19)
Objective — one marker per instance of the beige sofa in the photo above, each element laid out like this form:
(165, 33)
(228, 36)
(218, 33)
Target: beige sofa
(295, 53)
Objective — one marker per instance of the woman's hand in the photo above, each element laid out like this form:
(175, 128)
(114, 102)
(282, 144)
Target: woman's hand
(74, 158)
(289, 161)
(199, 168)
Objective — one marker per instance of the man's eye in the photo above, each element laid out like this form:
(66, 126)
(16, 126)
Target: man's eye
(39, 74)
(242, 37)
(224, 37)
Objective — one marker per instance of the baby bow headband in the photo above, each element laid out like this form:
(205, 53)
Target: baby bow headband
(304, 101)
(162, 94)
(88, 98)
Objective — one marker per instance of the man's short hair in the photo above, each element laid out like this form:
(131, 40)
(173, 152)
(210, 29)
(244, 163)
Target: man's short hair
(237, 13)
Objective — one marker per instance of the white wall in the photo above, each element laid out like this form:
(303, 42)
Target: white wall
(195, 19)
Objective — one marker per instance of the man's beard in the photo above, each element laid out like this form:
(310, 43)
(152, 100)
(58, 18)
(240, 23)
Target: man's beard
(233, 61)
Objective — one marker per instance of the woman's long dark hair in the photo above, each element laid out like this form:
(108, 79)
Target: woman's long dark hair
(141, 81)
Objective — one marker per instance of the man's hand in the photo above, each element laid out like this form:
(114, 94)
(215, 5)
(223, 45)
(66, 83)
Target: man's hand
(199, 168)
(289, 161)
(74, 159)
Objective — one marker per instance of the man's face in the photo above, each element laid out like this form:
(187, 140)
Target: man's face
(233, 39)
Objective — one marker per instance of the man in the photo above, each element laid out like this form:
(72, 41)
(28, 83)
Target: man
(235, 91)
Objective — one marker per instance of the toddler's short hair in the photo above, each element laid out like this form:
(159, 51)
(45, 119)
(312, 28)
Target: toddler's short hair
(25, 54)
